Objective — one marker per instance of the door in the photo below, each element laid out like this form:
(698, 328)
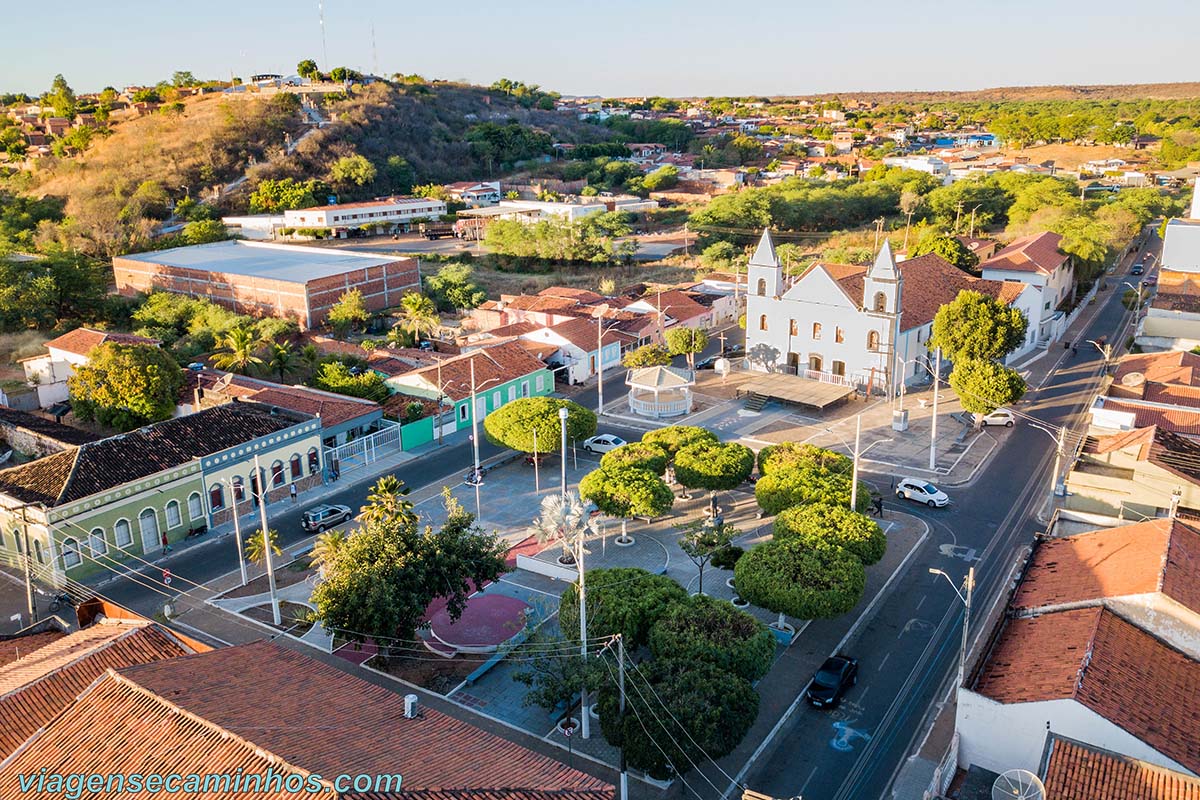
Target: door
(793, 363)
(148, 522)
(814, 363)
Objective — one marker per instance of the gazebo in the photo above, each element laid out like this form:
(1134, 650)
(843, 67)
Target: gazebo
(660, 391)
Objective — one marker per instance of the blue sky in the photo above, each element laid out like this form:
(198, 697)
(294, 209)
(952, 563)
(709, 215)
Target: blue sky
(619, 47)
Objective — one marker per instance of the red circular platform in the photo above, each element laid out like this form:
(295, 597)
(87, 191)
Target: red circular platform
(488, 621)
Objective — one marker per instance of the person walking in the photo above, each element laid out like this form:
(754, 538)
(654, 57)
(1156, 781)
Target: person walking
(166, 544)
(292, 491)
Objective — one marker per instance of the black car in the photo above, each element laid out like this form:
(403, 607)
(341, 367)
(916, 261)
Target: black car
(707, 363)
(1138, 269)
(734, 350)
(837, 674)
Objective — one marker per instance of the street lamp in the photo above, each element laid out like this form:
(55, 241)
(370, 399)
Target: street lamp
(600, 331)
(1106, 350)
(966, 601)
(562, 423)
(237, 527)
(1059, 451)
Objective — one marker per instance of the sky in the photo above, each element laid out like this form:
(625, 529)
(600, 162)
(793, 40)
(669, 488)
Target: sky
(617, 47)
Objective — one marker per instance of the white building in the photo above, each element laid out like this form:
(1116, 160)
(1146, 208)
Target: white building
(48, 373)
(475, 195)
(1181, 247)
(929, 164)
(578, 343)
(1038, 261)
(858, 325)
(393, 210)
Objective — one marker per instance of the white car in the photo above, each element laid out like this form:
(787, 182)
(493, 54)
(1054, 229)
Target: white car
(920, 491)
(1001, 416)
(602, 443)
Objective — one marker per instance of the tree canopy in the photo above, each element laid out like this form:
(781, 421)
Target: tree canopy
(125, 386)
(674, 438)
(790, 576)
(975, 326)
(624, 600)
(348, 312)
(820, 524)
(984, 386)
(689, 341)
(949, 248)
(452, 288)
(512, 425)
(785, 455)
(627, 492)
(704, 628)
(648, 355)
(639, 455)
(713, 465)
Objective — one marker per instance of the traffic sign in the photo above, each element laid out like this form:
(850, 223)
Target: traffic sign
(167, 577)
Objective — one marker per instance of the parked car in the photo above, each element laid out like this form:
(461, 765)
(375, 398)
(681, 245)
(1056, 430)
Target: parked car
(1001, 416)
(707, 363)
(835, 676)
(1138, 269)
(920, 491)
(324, 516)
(1150, 281)
(602, 443)
(734, 350)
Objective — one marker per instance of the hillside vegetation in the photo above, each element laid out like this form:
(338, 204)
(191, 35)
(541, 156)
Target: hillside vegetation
(1000, 94)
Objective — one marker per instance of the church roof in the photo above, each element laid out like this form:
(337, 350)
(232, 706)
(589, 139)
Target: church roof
(764, 254)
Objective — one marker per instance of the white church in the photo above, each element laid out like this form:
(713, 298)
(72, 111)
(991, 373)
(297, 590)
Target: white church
(862, 326)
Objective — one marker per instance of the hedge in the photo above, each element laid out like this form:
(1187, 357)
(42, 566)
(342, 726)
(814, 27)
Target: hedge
(713, 465)
(708, 629)
(822, 523)
(676, 437)
(775, 457)
(641, 455)
(624, 600)
(711, 712)
(793, 486)
(512, 425)
(787, 576)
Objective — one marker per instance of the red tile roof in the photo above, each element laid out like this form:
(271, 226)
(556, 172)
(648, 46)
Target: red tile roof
(202, 722)
(494, 364)
(35, 688)
(1161, 555)
(1077, 771)
(1184, 421)
(1179, 366)
(81, 341)
(1092, 656)
(578, 295)
(1038, 252)
(332, 411)
(675, 304)
(21, 646)
(584, 333)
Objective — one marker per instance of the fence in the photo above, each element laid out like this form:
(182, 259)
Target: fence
(944, 774)
(365, 449)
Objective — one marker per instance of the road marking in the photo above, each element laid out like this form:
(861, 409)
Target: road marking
(921, 602)
(881, 663)
(808, 780)
(862, 698)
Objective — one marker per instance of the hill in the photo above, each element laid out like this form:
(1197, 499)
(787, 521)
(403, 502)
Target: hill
(1132, 91)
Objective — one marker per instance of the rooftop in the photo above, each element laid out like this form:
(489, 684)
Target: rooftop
(81, 341)
(1038, 252)
(1076, 771)
(1184, 421)
(279, 262)
(386, 201)
(1178, 367)
(45, 427)
(494, 364)
(333, 409)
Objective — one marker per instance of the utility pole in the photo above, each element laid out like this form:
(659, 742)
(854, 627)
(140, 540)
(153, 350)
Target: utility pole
(324, 48)
(685, 240)
(937, 377)
(583, 692)
(962, 661)
(537, 486)
(1058, 454)
(441, 395)
(854, 473)
(237, 531)
(260, 478)
(28, 569)
(477, 478)
(621, 708)
(562, 423)
(599, 369)
(958, 216)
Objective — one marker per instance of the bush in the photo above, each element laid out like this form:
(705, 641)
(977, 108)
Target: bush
(727, 557)
(775, 457)
(711, 712)
(623, 600)
(676, 437)
(708, 629)
(776, 491)
(713, 465)
(786, 576)
(639, 455)
(821, 523)
(512, 425)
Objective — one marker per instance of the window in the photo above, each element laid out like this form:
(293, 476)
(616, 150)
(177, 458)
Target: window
(762, 288)
(277, 473)
(524, 388)
(762, 322)
(70, 550)
(148, 522)
(314, 461)
(880, 301)
(239, 489)
(216, 497)
(20, 547)
(463, 411)
(195, 508)
(839, 368)
(97, 543)
(497, 400)
(873, 340)
(297, 471)
(540, 382)
(839, 335)
(793, 328)
(816, 330)
(174, 519)
(122, 534)
(41, 554)
(815, 363)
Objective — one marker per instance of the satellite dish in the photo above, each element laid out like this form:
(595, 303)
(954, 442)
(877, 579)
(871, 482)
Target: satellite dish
(1018, 784)
(1133, 379)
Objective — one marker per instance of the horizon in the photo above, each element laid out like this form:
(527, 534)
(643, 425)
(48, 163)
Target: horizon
(674, 49)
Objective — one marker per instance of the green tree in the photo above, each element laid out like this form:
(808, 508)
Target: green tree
(713, 465)
(398, 175)
(556, 673)
(205, 231)
(784, 488)
(711, 630)
(820, 524)
(61, 98)
(308, 69)
(238, 351)
(674, 438)
(790, 577)
(348, 312)
(627, 492)
(789, 455)
(125, 386)
(702, 539)
(418, 316)
(648, 355)
(281, 360)
(353, 170)
(639, 455)
(681, 340)
(975, 326)
(256, 552)
(452, 288)
(388, 502)
(984, 386)
(327, 546)
(274, 196)
(950, 248)
(512, 425)
(334, 376)
(624, 600)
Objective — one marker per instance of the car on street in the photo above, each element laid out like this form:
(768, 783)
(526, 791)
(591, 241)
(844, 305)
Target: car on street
(734, 350)
(1150, 281)
(707, 363)
(602, 443)
(1001, 416)
(835, 676)
(920, 491)
(1138, 269)
(318, 518)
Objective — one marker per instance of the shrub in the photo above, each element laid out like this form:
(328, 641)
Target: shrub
(775, 457)
(627, 492)
(776, 491)
(709, 629)
(512, 425)
(789, 577)
(711, 712)
(639, 455)
(822, 523)
(727, 557)
(623, 600)
(713, 465)
(676, 437)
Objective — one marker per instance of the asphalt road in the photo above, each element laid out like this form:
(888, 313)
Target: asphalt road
(908, 653)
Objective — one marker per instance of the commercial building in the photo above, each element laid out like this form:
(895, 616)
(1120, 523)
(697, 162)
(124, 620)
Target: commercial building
(271, 280)
(390, 211)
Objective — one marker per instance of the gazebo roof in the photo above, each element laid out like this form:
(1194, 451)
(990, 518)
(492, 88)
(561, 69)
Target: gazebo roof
(659, 378)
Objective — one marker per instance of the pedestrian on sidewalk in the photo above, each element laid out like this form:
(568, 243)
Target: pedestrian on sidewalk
(166, 544)
(292, 491)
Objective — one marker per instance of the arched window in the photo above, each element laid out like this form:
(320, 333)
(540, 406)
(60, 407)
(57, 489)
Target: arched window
(277, 473)
(816, 330)
(762, 322)
(839, 368)
(174, 518)
(70, 552)
(195, 507)
(97, 543)
(41, 554)
(20, 546)
(1, 540)
(815, 363)
(295, 467)
(762, 287)
(122, 534)
(239, 489)
(314, 461)
(216, 497)
(873, 340)
(880, 301)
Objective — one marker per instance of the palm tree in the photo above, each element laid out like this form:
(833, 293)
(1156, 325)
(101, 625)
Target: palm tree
(418, 315)
(326, 547)
(310, 357)
(564, 520)
(254, 546)
(237, 353)
(282, 360)
(388, 501)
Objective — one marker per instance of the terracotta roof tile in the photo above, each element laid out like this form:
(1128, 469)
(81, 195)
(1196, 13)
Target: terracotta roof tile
(81, 340)
(1184, 421)
(1091, 655)
(583, 333)
(1077, 771)
(21, 646)
(675, 304)
(1178, 366)
(45, 427)
(494, 364)
(1038, 252)
(332, 411)
(578, 295)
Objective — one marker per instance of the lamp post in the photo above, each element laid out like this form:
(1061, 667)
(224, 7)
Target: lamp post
(966, 601)
(260, 478)
(562, 423)
(937, 379)
(1060, 449)
(854, 472)
(475, 439)
(237, 527)
(600, 331)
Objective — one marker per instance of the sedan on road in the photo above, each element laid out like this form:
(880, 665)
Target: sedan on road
(920, 491)
(835, 676)
(324, 516)
(602, 443)
(1138, 269)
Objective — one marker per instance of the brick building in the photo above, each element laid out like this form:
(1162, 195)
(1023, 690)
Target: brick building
(266, 279)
